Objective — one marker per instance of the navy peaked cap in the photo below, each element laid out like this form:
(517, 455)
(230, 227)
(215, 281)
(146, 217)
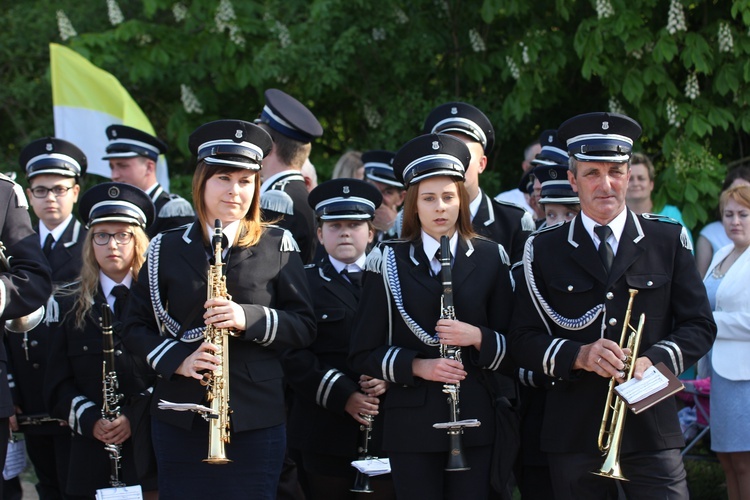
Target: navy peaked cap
(129, 142)
(556, 187)
(231, 143)
(379, 168)
(52, 156)
(345, 199)
(606, 137)
(554, 151)
(116, 202)
(462, 118)
(289, 117)
(431, 155)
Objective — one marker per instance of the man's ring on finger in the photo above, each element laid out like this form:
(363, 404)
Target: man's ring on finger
(597, 361)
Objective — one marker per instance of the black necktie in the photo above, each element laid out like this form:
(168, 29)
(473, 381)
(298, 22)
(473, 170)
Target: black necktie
(355, 277)
(48, 244)
(605, 250)
(121, 300)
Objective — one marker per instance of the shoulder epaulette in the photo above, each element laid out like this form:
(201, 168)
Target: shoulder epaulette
(374, 259)
(546, 228)
(310, 266)
(503, 254)
(508, 204)
(527, 222)
(21, 201)
(288, 243)
(659, 218)
(277, 201)
(177, 206)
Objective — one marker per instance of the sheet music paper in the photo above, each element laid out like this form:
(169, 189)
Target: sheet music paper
(373, 466)
(168, 405)
(123, 493)
(15, 459)
(635, 390)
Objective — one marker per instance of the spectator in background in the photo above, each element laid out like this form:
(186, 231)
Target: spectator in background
(350, 165)
(640, 187)
(521, 198)
(726, 284)
(713, 237)
(310, 175)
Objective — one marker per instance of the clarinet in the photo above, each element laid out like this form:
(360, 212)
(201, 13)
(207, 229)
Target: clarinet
(362, 480)
(455, 427)
(112, 396)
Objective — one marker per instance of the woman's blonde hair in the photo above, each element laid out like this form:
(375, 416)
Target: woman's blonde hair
(411, 228)
(89, 278)
(740, 194)
(251, 226)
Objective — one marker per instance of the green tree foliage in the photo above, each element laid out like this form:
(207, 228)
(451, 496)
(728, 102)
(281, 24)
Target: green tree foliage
(371, 71)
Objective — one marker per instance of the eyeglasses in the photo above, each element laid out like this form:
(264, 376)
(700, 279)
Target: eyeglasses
(122, 238)
(58, 191)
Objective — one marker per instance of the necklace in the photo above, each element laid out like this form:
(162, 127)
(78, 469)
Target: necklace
(716, 272)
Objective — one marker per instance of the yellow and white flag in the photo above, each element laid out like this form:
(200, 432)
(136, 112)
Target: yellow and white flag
(86, 100)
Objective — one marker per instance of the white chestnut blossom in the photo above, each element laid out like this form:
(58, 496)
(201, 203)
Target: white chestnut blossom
(673, 115)
(179, 11)
(371, 115)
(189, 100)
(114, 13)
(692, 90)
(615, 106)
(378, 34)
(401, 17)
(676, 18)
(477, 44)
(604, 9)
(64, 26)
(285, 39)
(726, 41)
(513, 68)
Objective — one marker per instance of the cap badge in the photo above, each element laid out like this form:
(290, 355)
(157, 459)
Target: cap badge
(114, 133)
(552, 173)
(113, 192)
(346, 189)
(238, 134)
(605, 125)
(48, 146)
(550, 139)
(454, 110)
(435, 145)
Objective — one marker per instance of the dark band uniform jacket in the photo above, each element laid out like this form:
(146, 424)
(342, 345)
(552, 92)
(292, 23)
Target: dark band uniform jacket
(285, 201)
(504, 223)
(653, 257)
(271, 287)
(320, 376)
(28, 285)
(29, 353)
(171, 211)
(73, 391)
(482, 294)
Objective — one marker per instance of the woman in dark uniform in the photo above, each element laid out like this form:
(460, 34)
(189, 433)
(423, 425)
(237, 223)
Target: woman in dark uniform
(116, 216)
(330, 401)
(398, 329)
(268, 310)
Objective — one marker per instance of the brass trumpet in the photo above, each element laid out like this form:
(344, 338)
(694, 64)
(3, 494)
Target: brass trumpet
(615, 409)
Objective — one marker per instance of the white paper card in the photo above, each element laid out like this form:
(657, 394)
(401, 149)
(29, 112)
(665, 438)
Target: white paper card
(635, 390)
(123, 493)
(373, 466)
(15, 459)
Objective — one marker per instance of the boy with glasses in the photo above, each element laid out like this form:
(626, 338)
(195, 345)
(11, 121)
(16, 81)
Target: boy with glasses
(54, 168)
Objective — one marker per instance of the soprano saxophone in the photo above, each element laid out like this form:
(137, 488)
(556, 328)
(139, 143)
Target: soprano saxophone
(455, 427)
(217, 382)
(111, 393)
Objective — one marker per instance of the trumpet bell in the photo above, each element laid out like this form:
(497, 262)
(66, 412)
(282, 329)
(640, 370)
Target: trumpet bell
(25, 323)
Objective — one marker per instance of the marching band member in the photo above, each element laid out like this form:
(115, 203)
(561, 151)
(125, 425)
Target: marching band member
(269, 310)
(54, 169)
(501, 221)
(398, 330)
(571, 301)
(116, 215)
(330, 400)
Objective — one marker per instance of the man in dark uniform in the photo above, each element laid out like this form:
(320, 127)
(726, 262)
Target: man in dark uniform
(570, 303)
(379, 172)
(54, 168)
(283, 193)
(25, 283)
(132, 156)
(502, 222)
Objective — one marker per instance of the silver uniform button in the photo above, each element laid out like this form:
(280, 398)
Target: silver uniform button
(649, 283)
(570, 288)
(610, 295)
(85, 348)
(325, 316)
(612, 321)
(34, 343)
